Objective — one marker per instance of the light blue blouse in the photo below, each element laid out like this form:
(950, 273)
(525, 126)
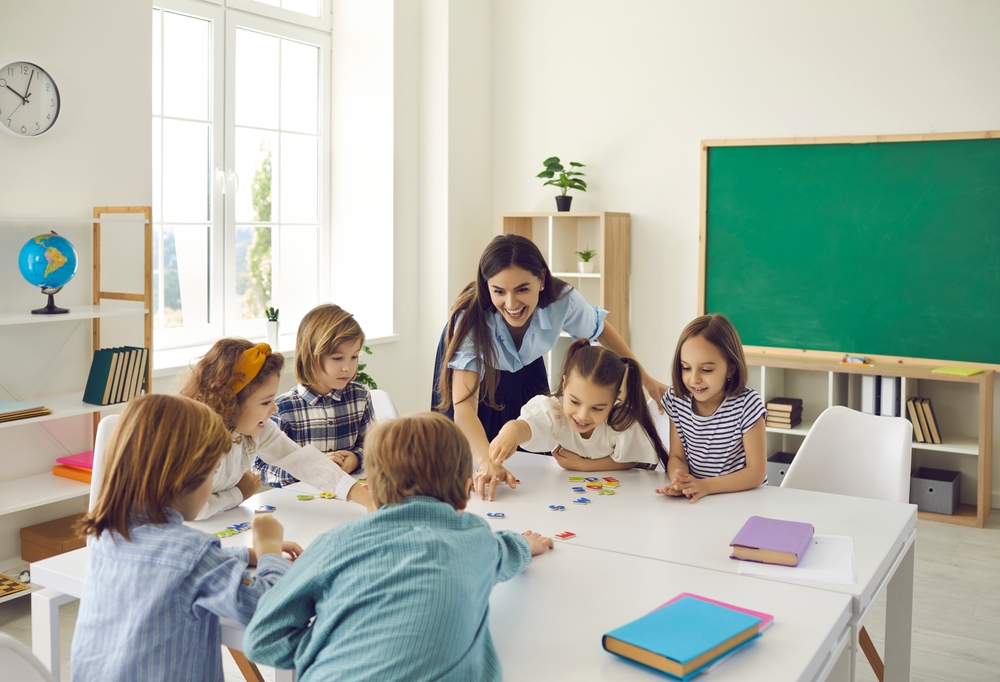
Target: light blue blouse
(571, 314)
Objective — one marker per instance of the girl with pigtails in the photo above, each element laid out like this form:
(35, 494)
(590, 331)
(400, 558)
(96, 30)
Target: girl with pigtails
(590, 423)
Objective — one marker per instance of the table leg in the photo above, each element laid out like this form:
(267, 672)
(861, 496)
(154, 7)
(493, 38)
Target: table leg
(45, 626)
(284, 675)
(899, 620)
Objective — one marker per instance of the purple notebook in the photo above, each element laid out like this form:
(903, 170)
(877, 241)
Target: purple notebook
(775, 535)
(84, 460)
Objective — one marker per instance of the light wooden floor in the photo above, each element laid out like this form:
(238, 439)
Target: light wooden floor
(956, 621)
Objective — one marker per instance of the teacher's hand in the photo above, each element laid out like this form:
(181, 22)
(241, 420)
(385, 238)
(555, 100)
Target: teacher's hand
(655, 389)
(492, 474)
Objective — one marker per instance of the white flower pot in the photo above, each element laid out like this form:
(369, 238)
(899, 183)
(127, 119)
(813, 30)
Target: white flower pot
(272, 334)
(585, 267)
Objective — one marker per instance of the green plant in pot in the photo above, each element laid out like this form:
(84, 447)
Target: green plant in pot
(567, 180)
(272, 327)
(363, 377)
(586, 256)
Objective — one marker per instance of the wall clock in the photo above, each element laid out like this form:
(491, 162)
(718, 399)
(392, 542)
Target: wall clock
(29, 99)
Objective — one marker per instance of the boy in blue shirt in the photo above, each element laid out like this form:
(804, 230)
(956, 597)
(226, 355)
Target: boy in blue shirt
(403, 593)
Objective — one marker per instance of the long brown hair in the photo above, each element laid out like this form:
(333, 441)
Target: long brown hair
(469, 314)
(720, 332)
(603, 367)
(209, 381)
(163, 447)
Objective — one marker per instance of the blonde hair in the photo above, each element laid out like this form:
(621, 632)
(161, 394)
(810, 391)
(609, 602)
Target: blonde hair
(721, 333)
(322, 331)
(163, 447)
(420, 454)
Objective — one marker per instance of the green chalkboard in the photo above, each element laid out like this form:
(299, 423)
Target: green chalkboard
(885, 248)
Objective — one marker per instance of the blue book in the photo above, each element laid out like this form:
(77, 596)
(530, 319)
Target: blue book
(682, 637)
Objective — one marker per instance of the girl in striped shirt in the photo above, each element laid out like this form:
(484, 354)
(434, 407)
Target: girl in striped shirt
(717, 439)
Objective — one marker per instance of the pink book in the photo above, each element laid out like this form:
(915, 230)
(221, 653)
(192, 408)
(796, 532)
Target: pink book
(772, 541)
(83, 460)
(766, 619)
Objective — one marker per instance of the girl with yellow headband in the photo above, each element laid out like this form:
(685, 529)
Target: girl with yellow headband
(239, 380)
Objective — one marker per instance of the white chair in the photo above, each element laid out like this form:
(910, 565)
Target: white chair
(383, 405)
(104, 429)
(18, 663)
(853, 453)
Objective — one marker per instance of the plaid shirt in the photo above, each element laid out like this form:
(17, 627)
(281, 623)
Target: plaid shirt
(338, 420)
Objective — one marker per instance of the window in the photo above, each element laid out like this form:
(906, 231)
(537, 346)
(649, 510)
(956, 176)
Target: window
(240, 155)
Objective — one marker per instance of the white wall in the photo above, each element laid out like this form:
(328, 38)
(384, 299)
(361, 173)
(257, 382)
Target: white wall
(97, 153)
(630, 88)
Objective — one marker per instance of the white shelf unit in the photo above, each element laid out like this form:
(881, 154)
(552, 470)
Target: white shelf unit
(559, 236)
(963, 406)
(37, 490)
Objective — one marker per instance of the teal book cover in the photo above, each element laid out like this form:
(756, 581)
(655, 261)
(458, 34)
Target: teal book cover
(99, 370)
(683, 632)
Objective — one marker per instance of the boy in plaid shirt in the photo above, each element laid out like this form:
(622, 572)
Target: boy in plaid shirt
(326, 409)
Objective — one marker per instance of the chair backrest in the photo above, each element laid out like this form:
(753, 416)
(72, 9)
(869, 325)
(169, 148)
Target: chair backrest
(852, 453)
(662, 423)
(104, 429)
(383, 405)
(18, 663)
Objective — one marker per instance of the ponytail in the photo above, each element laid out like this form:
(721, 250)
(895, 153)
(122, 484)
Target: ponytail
(633, 409)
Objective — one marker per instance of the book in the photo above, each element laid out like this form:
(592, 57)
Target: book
(869, 398)
(682, 637)
(912, 410)
(98, 381)
(11, 410)
(782, 424)
(766, 619)
(72, 472)
(82, 460)
(772, 541)
(890, 388)
(111, 373)
(958, 371)
(922, 418)
(785, 416)
(139, 373)
(925, 403)
(784, 404)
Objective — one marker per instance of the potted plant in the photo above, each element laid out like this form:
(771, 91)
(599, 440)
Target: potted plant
(568, 179)
(585, 257)
(272, 327)
(363, 377)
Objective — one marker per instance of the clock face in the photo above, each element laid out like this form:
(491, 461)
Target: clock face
(29, 99)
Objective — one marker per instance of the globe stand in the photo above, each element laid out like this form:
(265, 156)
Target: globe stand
(50, 308)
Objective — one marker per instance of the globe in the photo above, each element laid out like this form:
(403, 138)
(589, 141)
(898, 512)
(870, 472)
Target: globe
(48, 261)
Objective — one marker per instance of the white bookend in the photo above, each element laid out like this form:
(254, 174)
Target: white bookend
(890, 396)
(869, 389)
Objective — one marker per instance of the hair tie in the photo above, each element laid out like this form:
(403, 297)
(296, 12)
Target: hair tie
(248, 365)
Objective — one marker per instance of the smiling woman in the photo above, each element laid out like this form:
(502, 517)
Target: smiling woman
(489, 360)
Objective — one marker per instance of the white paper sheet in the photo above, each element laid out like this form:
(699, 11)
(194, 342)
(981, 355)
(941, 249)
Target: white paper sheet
(829, 559)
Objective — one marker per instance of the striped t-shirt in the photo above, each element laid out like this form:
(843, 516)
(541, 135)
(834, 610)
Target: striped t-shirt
(713, 445)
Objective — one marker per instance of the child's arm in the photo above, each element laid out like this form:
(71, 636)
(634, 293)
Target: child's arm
(574, 462)
(511, 434)
(750, 476)
(677, 465)
(515, 551)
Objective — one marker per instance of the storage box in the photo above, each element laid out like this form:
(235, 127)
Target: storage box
(48, 539)
(777, 465)
(935, 490)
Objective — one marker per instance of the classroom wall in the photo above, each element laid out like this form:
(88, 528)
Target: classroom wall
(630, 88)
(98, 153)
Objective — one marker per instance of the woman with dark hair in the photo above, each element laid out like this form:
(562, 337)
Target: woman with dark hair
(489, 360)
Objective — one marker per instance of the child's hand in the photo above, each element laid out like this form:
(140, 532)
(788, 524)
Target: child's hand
(345, 459)
(692, 488)
(567, 460)
(538, 544)
(292, 549)
(672, 490)
(505, 443)
(267, 535)
(249, 484)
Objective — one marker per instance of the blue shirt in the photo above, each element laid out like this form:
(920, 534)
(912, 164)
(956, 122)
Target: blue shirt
(151, 605)
(400, 594)
(338, 420)
(571, 314)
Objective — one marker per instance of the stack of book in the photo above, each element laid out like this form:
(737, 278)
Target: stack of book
(79, 467)
(687, 635)
(784, 413)
(15, 409)
(925, 426)
(116, 375)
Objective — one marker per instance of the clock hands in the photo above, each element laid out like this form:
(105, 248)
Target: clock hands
(27, 88)
(24, 100)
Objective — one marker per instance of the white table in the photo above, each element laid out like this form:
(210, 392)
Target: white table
(639, 522)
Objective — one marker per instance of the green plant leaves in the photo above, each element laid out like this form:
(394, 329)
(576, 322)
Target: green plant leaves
(551, 159)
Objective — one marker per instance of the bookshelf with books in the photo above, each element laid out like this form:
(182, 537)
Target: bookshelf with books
(961, 408)
(56, 353)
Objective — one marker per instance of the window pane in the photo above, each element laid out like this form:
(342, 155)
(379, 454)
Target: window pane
(309, 7)
(157, 61)
(299, 86)
(253, 271)
(299, 178)
(298, 272)
(186, 285)
(257, 86)
(157, 170)
(186, 178)
(257, 166)
(186, 63)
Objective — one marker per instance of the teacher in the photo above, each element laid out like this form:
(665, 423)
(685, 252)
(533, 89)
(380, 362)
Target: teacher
(489, 360)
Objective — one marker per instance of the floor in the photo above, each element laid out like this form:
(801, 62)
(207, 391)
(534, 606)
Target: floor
(956, 622)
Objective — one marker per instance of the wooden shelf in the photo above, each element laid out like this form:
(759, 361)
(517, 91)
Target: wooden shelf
(962, 446)
(65, 405)
(34, 491)
(77, 312)
(965, 515)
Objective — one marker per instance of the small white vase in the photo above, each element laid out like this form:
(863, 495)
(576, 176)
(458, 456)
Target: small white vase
(585, 267)
(272, 334)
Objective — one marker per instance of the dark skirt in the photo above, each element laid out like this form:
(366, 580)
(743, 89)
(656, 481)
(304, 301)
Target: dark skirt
(514, 389)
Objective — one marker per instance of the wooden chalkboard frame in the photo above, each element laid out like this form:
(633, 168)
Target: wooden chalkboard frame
(849, 139)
